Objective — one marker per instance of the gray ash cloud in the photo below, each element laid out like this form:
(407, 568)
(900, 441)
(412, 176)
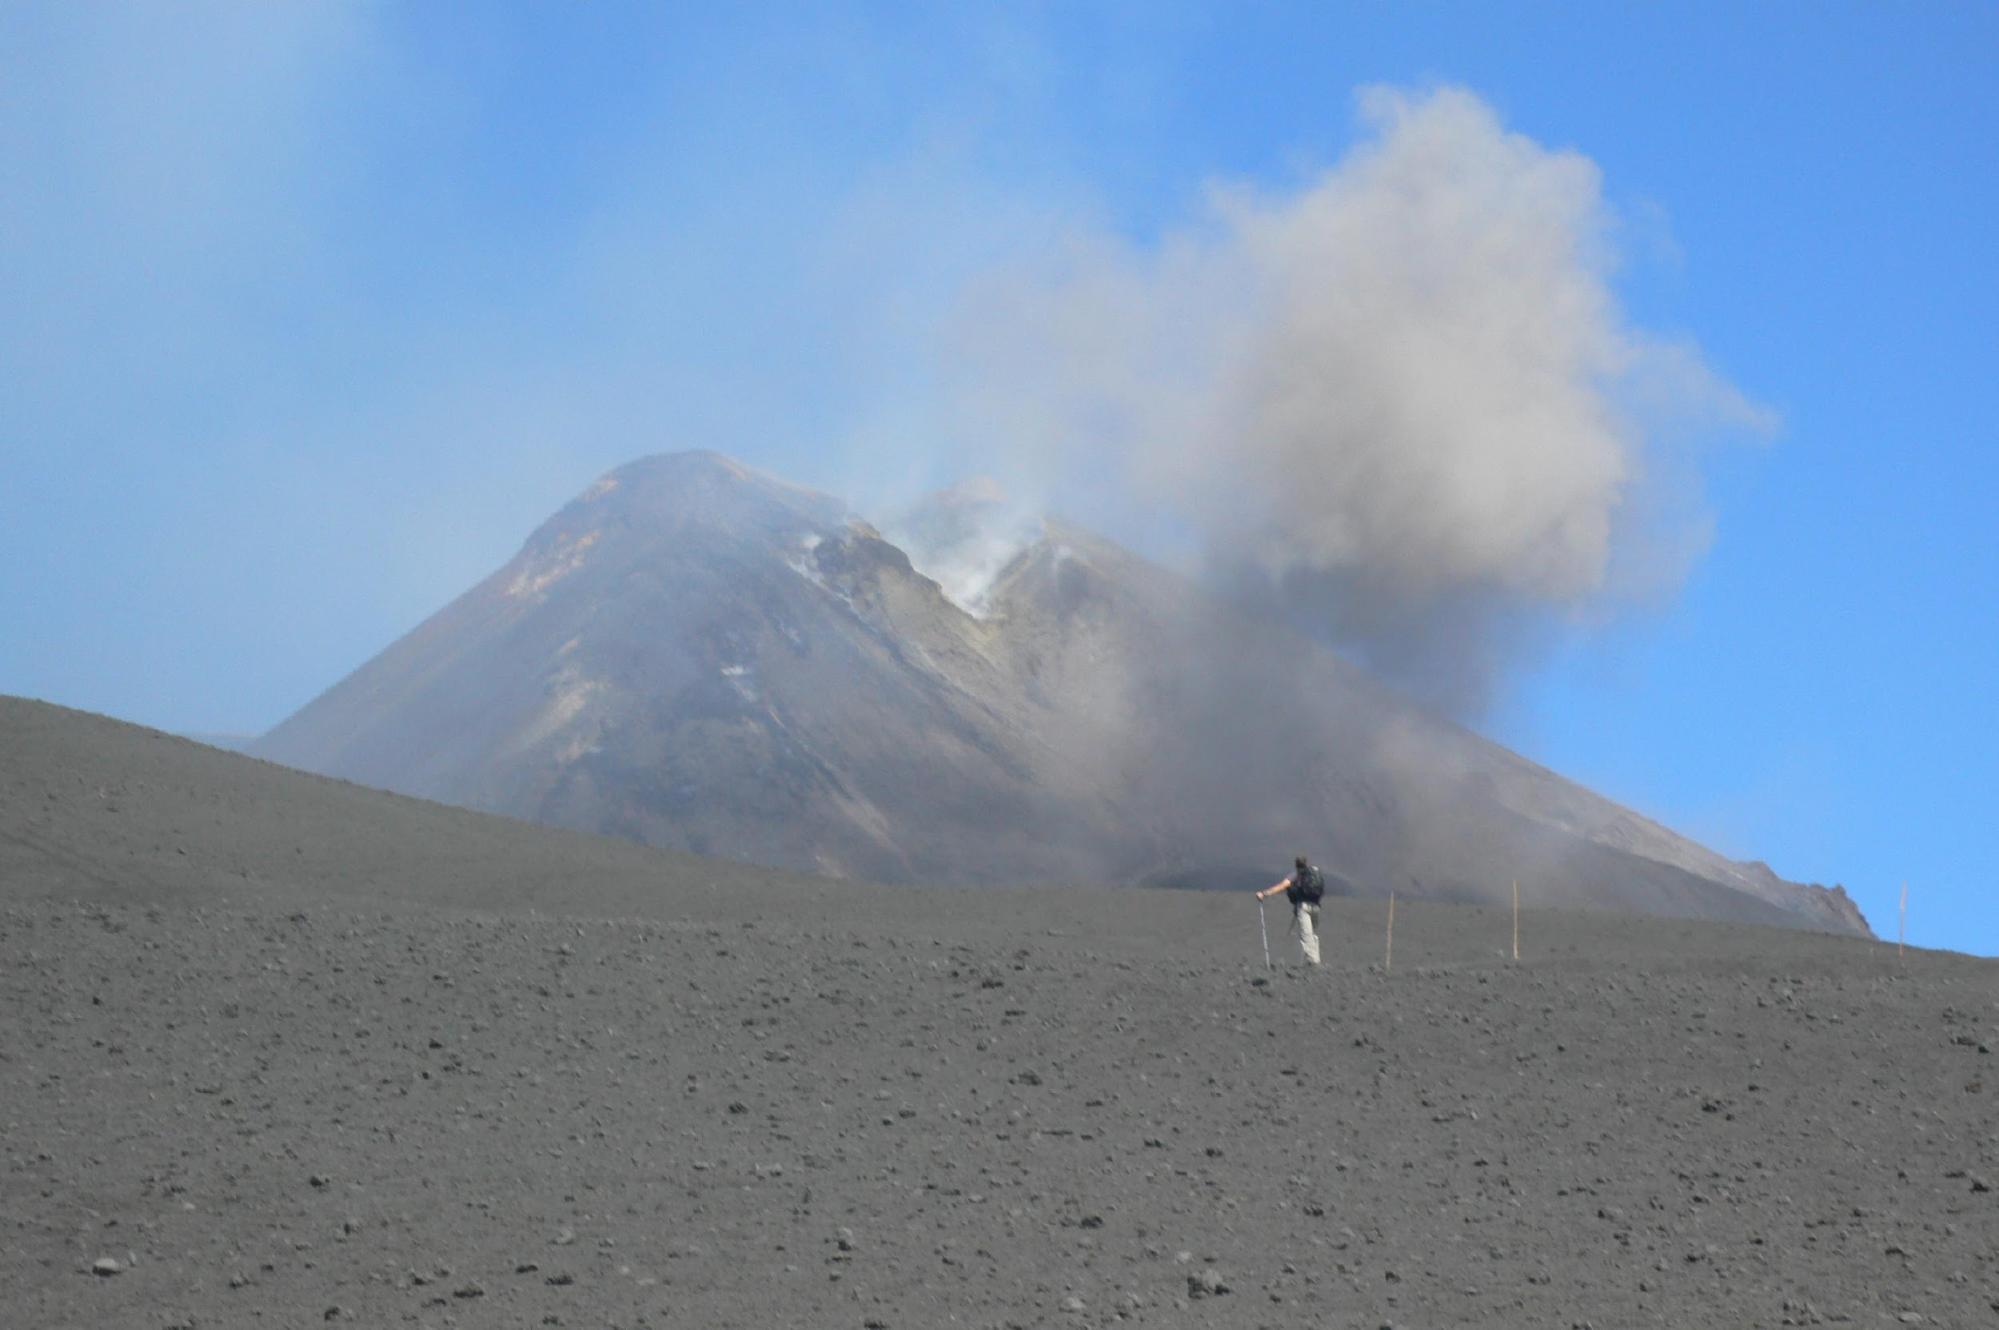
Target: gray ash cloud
(1400, 403)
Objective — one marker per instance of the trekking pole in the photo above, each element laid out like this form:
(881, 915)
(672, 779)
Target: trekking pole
(1264, 929)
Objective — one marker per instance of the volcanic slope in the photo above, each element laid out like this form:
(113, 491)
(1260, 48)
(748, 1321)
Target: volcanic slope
(698, 656)
(648, 1089)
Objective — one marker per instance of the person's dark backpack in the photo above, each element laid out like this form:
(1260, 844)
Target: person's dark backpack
(1308, 887)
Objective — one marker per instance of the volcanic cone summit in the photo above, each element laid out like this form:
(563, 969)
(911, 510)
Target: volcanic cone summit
(697, 655)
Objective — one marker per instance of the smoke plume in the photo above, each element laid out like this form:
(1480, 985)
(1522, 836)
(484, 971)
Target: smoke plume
(963, 538)
(1400, 404)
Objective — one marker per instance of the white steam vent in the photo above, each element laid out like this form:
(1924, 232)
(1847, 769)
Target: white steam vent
(962, 538)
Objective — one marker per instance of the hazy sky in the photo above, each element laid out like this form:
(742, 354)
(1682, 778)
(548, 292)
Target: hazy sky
(310, 313)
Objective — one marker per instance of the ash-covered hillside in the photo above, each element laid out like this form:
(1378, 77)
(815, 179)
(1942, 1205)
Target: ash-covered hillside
(698, 656)
(283, 1050)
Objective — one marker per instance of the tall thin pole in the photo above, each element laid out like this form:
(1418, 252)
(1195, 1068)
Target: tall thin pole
(1516, 920)
(1388, 961)
(1264, 929)
(1902, 923)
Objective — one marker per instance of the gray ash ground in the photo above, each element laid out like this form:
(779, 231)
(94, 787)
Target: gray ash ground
(872, 1109)
(278, 1051)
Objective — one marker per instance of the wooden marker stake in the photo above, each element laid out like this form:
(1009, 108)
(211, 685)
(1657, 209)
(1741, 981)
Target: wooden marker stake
(1388, 962)
(1516, 920)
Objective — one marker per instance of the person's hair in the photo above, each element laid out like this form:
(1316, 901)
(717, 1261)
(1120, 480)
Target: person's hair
(1301, 863)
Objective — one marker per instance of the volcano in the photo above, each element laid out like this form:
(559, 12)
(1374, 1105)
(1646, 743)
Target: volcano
(698, 656)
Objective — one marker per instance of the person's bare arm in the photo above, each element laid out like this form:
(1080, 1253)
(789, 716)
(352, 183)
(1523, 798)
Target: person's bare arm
(1272, 890)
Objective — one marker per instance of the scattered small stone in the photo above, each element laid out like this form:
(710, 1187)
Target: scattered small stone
(560, 1280)
(1205, 1283)
(106, 1266)
(468, 1292)
(1072, 1303)
(563, 1237)
(320, 1180)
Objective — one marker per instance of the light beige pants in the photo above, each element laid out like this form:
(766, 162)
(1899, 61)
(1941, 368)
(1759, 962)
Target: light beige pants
(1308, 933)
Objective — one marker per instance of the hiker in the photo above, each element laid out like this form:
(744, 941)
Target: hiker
(1305, 888)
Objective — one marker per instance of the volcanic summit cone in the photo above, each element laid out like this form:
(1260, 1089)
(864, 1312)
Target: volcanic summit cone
(695, 655)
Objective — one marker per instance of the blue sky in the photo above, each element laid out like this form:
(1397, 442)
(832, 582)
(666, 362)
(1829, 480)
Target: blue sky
(308, 314)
